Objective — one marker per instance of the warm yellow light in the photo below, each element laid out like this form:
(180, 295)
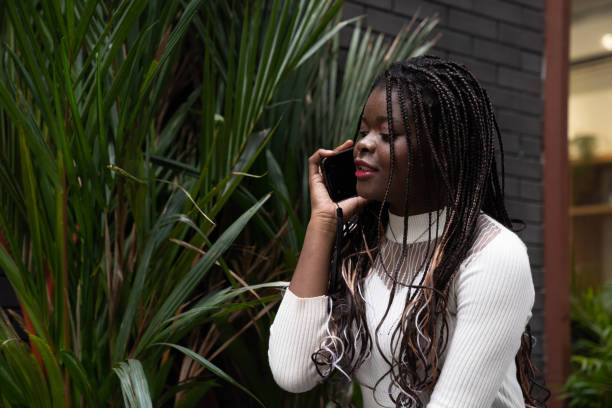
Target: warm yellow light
(606, 41)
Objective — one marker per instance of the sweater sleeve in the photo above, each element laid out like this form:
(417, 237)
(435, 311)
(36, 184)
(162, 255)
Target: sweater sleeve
(297, 331)
(495, 295)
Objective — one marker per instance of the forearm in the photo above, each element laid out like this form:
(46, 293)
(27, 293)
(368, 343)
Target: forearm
(297, 331)
(312, 272)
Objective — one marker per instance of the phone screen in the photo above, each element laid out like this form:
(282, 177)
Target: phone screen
(339, 174)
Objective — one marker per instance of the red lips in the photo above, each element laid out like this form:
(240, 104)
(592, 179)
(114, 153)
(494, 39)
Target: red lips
(364, 169)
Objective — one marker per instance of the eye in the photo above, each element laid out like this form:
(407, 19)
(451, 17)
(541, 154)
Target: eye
(363, 133)
(385, 137)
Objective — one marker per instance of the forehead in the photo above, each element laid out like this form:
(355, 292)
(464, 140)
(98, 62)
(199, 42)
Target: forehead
(375, 109)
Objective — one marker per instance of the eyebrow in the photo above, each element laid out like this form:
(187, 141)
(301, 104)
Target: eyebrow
(378, 118)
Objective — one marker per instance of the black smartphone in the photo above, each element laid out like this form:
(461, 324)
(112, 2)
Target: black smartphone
(339, 175)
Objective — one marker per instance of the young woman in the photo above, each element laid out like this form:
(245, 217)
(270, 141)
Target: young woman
(434, 294)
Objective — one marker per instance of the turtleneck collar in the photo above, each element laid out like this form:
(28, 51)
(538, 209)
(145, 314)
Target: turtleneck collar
(418, 227)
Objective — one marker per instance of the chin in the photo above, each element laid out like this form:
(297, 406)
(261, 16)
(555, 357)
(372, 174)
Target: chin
(369, 193)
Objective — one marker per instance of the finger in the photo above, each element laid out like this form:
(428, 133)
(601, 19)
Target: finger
(315, 160)
(318, 155)
(344, 146)
(340, 148)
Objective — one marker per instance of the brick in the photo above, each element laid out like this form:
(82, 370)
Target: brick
(529, 103)
(522, 38)
(481, 26)
(539, 305)
(530, 213)
(345, 36)
(385, 22)
(537, 330)
(496, 52)
(502, 97)
(531, 61)
(534, 4)
(533, 19)
(425, 9)
(531, 190)
(512, 188)
(455, 41)
(536, 257)
(523, 168)
(514, 122)
(536, 275)
(537, 356)
(515, 100)
(511, 142)
(500, 10)
(350, 10)
(483, 71)
(531, 234)
(531, 146)
(521, 80)
(381, 4)
(439, 52)
(342, 54)
(466, 4)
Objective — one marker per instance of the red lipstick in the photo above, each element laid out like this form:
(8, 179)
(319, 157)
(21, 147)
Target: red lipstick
(364, 169)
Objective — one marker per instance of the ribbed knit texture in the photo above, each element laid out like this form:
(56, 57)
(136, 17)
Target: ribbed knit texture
(490, 303)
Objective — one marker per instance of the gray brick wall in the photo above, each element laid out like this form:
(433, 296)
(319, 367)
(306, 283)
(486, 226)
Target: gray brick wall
(502, 42)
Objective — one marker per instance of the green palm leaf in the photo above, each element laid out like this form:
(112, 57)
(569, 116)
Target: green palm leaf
(210, 366)
(134, 386)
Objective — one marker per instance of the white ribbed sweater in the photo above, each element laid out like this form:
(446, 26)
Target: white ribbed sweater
(490, 304)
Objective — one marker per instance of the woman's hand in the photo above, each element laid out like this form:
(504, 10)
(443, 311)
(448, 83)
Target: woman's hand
(322, 206)
(312, 270)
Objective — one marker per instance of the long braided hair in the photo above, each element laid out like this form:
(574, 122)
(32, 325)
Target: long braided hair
(454, 125)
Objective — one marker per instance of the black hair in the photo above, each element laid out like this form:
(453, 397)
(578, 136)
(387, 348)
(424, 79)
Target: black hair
(451, 116)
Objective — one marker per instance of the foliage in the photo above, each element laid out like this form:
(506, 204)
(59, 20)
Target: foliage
(590, 384)
(115, 187)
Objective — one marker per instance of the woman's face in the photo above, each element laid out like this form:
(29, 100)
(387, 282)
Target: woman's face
(373, 155)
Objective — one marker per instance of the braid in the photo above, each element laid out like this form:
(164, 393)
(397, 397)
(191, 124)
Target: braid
(450, 116)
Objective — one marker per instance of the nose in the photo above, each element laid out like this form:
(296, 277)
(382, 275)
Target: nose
(366, 143)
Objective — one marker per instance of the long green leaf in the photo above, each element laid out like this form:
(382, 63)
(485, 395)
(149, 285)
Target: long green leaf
(209, 304)
(52, 369)
(134, 386)
(210, 366)
(193, 277)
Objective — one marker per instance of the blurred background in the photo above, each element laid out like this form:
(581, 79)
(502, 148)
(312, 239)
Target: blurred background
(154, 196)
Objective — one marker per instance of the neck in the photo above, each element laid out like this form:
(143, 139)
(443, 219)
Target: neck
(423, 198)
(421, 227)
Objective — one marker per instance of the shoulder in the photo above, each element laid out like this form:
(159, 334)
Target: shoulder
(494, 242)
(496, 267)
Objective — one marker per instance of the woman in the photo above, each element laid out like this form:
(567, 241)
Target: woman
(435, 291)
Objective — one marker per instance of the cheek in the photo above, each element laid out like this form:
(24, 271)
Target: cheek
(401, 157)
(400, 168)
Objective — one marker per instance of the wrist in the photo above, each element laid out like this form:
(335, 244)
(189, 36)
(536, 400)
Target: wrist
(323, 223)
